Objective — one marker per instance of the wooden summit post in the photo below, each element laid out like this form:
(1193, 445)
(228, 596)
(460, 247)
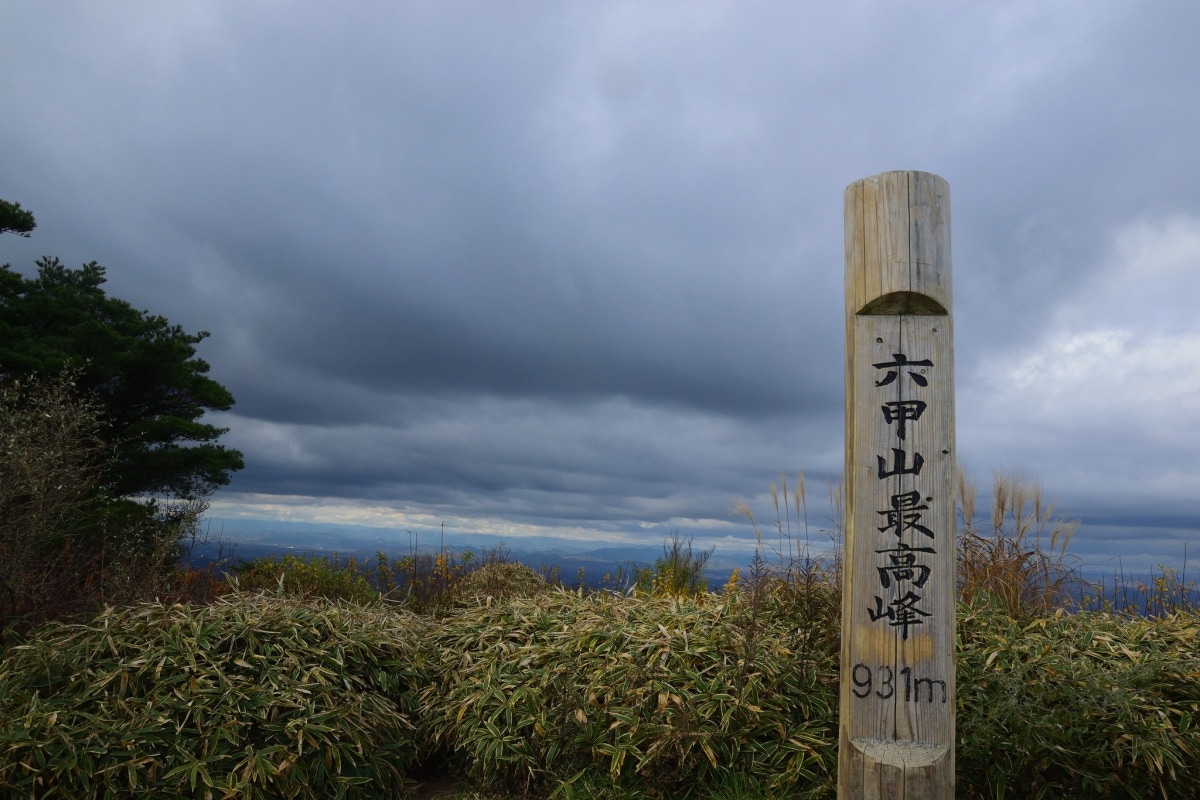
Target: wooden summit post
(897, 669)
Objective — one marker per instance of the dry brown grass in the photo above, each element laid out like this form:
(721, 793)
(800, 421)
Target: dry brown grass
(1017, 556)
(792, 557)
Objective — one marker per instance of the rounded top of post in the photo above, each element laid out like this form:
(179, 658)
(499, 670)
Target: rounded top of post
(898, 174)
(898, 244)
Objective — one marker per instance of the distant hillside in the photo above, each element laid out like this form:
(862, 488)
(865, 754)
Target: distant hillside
(229, 542)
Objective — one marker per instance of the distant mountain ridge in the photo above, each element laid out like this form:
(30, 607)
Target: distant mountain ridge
(229, 541)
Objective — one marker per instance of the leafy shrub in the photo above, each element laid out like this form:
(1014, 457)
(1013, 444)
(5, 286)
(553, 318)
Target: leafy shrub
(252, 696)
(435, 583)
(1077, 705)
(499, 581)
(196, 585)
(427, 582)
(51, 470)
(313, 577)
(660, 693)
(678, 573)
(66, 546)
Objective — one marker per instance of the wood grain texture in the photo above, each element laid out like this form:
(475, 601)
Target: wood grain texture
(898, 608)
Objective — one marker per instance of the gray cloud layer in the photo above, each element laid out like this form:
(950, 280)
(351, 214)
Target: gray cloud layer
(579, 265)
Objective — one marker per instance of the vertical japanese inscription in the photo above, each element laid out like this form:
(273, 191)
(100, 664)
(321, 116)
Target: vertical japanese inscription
(903, 578)
(902, 517)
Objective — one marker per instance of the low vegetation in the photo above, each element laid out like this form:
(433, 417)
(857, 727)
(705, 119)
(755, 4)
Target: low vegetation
(1078, 705)
(650, 693)
(250, 696)
(324, 677)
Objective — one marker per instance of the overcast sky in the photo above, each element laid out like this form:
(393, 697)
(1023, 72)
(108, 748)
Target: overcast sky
(576, 268)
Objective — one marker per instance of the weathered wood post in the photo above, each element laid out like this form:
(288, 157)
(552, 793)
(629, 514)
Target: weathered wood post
(898, 602)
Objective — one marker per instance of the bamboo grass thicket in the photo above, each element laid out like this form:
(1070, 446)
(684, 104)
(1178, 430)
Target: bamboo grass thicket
(535, 691)
(570, 694)
(253, 696)
(654, 693)
(1083, 704)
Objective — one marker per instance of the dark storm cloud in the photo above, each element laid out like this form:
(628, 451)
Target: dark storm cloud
(581, 265)
(528, 459)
